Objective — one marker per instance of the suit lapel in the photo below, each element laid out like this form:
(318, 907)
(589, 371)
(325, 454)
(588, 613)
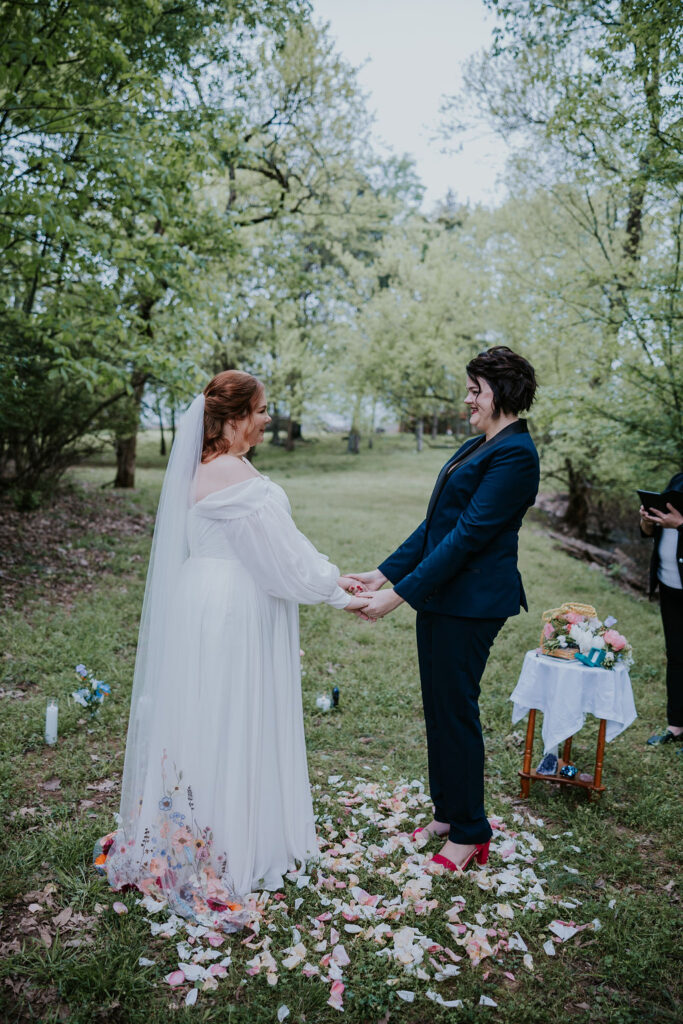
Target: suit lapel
(454, 461)
(458, 460)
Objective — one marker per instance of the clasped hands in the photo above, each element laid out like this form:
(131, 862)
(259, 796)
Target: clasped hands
(368, 601)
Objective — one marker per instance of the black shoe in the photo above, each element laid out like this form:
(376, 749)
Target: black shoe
(665, 737)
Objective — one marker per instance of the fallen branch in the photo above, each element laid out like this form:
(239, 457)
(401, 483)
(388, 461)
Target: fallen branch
(616, 563)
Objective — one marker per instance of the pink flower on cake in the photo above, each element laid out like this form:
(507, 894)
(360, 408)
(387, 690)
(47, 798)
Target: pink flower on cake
(616, 641)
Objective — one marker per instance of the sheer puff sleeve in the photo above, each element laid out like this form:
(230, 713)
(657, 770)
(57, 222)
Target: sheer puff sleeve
(282, 561)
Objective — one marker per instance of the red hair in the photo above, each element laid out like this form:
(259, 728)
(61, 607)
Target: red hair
(229, 396)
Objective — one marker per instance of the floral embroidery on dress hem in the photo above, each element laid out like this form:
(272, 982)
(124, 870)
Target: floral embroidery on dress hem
(174, 861)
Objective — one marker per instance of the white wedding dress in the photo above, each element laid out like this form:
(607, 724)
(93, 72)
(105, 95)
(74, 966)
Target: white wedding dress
(224, 804)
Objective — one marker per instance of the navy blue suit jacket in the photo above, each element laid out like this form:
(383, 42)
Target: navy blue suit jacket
(462, 559)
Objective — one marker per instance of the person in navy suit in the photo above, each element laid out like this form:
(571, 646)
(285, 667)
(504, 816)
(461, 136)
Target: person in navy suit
(458, 569)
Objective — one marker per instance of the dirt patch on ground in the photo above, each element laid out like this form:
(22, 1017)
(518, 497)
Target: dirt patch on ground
(62, 547)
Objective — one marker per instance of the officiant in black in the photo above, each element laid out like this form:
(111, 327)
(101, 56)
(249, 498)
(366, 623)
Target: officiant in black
(666, 574)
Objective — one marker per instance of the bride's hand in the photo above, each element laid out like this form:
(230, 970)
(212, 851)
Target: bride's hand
(368, 580)
(356, 604)
(351, 585)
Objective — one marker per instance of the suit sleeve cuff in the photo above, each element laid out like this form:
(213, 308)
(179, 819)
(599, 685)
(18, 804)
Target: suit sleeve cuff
(407, 592)
(385, 569)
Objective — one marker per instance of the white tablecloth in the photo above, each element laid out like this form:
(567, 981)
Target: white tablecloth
(565, 691)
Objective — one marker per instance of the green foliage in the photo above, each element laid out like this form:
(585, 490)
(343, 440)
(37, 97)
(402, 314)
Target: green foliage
(590, 97)
(113, 119)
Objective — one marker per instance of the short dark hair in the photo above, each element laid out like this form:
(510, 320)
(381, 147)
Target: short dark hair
(510, 376)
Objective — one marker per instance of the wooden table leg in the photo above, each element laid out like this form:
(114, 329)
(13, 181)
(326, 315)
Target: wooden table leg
(600, 754)
(567, 750)
(528, 751)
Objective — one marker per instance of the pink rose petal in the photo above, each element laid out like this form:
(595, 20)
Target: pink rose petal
(175, 978)
(336, 994)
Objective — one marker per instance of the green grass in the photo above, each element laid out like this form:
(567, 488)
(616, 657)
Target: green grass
(355, 509)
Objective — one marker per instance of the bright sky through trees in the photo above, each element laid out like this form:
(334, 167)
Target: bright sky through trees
(413, 52)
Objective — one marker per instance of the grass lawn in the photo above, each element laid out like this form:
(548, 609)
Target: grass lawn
(66, 956)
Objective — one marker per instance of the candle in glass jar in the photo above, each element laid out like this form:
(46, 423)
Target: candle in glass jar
(51, 716)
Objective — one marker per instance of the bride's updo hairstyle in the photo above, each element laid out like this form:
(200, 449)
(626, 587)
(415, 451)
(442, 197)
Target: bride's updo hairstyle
(510, 376)
(229, 397)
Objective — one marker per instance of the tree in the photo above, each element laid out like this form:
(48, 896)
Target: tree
(106, 133)
(589, 95)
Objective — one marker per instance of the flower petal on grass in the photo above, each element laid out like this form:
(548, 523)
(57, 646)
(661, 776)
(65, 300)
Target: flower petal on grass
(336, 995)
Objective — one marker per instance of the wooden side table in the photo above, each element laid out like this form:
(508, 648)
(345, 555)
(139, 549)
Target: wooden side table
(529, 774)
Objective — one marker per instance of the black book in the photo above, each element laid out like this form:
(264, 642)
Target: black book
(653, 499)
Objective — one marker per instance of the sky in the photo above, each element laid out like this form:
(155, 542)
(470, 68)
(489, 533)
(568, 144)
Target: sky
(415, 50)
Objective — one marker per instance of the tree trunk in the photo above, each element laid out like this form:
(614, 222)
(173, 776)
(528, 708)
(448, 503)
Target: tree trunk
(162, 443)
(125, 461)
(576, 516)
(419, 433)
(353, 444)
(435, 426)
(275, 439)
(289, 442)
(127, 436)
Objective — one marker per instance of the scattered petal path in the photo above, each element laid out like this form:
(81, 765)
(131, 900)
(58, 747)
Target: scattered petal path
(373, 887)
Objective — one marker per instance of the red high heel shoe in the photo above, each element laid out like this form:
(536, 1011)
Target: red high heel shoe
(480, 851)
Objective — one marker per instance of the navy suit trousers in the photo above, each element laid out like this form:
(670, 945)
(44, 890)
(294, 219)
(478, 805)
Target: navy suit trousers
(671, 605)
(452, 654)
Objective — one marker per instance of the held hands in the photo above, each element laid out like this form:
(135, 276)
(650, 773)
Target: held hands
(379, 605)
(359, 596)
(668, 520)
(363, 581)
(371, 604)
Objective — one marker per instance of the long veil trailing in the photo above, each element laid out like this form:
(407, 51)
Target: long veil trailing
(160, 847)
(169, 551)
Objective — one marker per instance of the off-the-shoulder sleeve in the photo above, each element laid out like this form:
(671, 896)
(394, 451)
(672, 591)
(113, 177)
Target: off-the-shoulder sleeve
(281, 559)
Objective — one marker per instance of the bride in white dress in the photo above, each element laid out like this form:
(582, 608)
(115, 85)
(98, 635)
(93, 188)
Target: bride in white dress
(216, 800)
